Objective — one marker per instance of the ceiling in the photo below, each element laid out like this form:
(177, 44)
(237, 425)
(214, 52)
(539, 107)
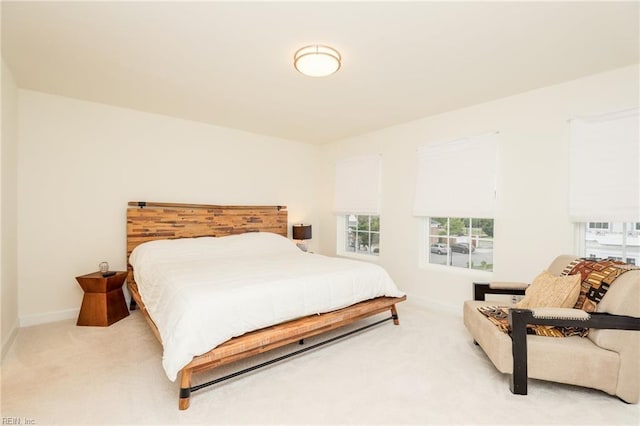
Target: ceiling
(230, 63)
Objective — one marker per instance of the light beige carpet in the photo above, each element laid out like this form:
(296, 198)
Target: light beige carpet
(425, 371)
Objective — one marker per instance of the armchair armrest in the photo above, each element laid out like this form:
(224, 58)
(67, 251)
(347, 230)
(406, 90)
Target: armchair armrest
(498, 287)
(559, 317)
(563, 317)
(560, 313)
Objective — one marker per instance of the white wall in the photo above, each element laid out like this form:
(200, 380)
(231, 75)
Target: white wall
(80, 163)
(9, 207)
(531, 224)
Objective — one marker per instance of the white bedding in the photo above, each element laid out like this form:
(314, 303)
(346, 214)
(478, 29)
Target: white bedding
(200, 292)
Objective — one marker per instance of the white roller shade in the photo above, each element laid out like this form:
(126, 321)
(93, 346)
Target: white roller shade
(358, 185)
(604, 168)
(457, 178)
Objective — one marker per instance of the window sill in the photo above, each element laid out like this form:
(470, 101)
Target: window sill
(485, 275)
(366, 257)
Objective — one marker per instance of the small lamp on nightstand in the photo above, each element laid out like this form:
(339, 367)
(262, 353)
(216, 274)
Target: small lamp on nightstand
(302, 232)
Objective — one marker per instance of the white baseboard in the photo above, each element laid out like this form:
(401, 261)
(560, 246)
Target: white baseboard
(35, 319)
(6, 344)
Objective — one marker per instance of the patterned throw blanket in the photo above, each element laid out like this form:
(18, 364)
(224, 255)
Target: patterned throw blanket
(596, 277)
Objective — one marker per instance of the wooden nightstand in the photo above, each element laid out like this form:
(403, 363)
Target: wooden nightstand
(103, 302)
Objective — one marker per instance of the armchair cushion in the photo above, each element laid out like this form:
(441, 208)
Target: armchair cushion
(550, 291)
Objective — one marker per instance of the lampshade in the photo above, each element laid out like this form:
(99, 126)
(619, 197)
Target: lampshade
(317, 60)
(301, 232)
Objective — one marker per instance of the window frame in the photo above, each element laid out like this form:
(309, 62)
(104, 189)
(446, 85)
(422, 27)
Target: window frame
(425, 249)
(581, 238)
(341, 238)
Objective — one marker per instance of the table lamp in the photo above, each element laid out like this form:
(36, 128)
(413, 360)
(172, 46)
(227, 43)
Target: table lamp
(302, 232)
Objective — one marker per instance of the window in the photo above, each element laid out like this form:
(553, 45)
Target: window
(618, 240)
(455, 194)
(357, 205)
(362, 234)
(612, 200)
(460, 242)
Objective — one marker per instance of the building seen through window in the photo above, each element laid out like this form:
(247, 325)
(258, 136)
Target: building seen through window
(612, 240)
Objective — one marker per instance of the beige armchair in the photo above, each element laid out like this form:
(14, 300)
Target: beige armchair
(607, 359)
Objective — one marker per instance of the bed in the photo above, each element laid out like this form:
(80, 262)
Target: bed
(219, 284)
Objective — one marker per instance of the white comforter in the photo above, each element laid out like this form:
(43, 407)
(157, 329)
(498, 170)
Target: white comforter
(200, 292)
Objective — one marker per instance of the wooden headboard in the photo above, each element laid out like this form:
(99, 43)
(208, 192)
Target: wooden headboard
(154, 221)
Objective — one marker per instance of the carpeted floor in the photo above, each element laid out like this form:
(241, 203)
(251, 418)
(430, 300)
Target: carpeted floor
(425, 371)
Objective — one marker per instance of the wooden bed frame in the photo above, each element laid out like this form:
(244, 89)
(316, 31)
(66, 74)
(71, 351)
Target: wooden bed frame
(152, 221)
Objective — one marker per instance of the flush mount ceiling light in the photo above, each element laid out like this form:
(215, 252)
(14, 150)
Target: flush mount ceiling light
(317, 60)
